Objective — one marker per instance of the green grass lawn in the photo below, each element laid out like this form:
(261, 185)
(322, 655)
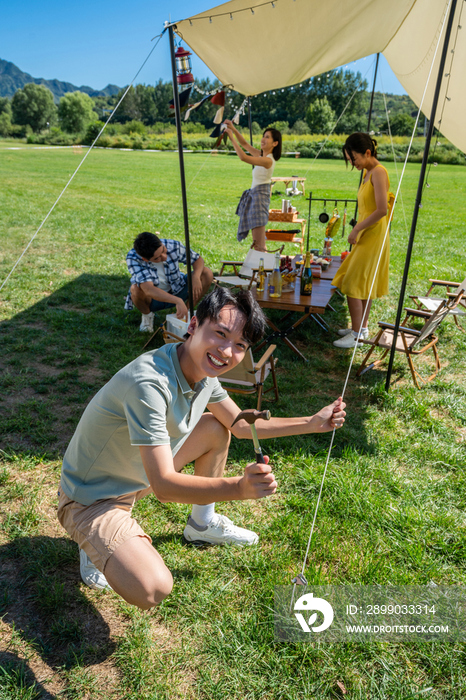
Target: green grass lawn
(393, 505)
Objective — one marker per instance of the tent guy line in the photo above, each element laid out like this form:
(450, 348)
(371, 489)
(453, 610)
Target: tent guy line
(76, 171)
(301, 576)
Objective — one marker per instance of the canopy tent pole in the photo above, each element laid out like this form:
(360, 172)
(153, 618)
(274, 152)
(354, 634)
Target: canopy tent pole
(250, 120)
(176, 101)
(372, 94)
(417, 203)
(368, 125)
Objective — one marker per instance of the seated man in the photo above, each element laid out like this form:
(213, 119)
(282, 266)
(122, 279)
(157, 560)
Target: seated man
(144, 426)
(156, 280)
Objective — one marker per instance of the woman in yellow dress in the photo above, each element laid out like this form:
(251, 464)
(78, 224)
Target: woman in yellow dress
(357, 274)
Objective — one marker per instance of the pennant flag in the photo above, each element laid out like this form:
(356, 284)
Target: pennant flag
(219, 99)
(196, 106)
(219, 140)
(183, 97)
(216, 132)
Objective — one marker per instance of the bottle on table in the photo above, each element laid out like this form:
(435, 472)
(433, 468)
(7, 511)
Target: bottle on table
(306, 277)
(261, 276)
(327, 246)
(275, 284)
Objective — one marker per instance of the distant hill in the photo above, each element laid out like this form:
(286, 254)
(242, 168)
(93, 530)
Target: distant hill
(12, 78)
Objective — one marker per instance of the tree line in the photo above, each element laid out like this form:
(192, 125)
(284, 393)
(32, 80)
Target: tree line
(337, 100)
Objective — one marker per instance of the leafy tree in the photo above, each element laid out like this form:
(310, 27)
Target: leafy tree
(320, 116)
(400, 125)
(346, 91)
(5, 124)
(5, 116)
(5, 106)
(300, 127)
(33, 105)
(282, 126)
(134, 127)
(93, 130)
(76, 112)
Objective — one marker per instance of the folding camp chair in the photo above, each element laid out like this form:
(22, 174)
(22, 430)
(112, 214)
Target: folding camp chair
(411, 341)
(249, 376)
(245, 272)
(432, 303)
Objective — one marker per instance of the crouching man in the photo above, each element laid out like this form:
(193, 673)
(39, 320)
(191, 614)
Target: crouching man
(156, 279)
(144, 426)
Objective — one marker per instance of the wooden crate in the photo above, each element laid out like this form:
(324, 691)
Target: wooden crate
(272, 234)
(278, 215)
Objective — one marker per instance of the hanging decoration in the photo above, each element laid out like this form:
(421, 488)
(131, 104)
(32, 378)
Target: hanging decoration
(219, 100)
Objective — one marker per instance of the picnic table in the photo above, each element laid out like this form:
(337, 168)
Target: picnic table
(292, 302)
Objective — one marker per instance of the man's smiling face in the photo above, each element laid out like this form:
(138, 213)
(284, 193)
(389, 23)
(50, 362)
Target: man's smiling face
(217, 346)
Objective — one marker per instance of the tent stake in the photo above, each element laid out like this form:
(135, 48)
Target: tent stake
(417, 203)
(176, 100)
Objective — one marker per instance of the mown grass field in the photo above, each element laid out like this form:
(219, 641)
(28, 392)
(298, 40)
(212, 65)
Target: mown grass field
(393, 504)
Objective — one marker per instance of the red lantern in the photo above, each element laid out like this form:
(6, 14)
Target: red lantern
(184, 76)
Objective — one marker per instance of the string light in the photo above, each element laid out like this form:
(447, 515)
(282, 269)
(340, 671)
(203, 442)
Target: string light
(210, 20)
(252, 10)
(231, 16)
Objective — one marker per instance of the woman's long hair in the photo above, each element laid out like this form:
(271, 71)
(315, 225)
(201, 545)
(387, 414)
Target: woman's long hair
(276, 136)
(359, 142)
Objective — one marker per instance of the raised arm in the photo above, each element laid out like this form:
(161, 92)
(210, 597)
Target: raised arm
(242, 141)
(328, 418)
(264, 161)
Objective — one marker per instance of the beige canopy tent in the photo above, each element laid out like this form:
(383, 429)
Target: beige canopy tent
(260, 46)
(277, 43)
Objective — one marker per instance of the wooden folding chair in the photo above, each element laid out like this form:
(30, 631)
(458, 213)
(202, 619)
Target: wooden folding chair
(431, 303)
(245, 272)
(410, 341)
(249, 376)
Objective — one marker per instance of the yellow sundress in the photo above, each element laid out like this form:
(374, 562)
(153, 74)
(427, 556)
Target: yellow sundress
(356, 273)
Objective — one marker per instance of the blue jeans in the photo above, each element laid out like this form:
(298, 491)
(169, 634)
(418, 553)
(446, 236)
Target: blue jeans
(159, 305)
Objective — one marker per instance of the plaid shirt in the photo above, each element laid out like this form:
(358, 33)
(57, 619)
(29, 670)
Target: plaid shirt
(144, 271)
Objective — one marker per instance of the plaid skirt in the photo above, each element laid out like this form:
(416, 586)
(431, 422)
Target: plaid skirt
(253, 210)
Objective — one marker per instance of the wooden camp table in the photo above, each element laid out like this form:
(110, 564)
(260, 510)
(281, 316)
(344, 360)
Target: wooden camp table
(288, 180)
(292, 302)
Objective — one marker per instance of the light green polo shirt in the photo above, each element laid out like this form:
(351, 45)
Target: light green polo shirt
(148, 402)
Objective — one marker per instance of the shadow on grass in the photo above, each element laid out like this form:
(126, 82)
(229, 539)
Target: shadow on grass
(56, 354)
(41, 601)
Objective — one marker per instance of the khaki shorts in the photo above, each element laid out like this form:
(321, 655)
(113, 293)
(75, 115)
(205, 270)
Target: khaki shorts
(99, 529)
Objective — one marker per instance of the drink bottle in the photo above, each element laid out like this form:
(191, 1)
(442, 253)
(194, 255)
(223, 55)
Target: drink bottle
(275, 284)
(261, 276)
(306, 277)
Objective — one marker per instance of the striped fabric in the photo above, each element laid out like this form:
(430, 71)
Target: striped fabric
(253, 210)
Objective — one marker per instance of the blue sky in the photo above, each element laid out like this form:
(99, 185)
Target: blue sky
(101, 42)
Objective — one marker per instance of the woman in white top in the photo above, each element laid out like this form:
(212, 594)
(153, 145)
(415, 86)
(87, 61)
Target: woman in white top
(253, 208)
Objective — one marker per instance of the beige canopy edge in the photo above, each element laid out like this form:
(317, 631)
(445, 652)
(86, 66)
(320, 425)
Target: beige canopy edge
(269, 47)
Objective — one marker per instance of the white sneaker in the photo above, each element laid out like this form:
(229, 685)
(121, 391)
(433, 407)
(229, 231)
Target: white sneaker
(90, 574)
(147, 323)
(345, 331)
(220, 530)
(348, 341)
